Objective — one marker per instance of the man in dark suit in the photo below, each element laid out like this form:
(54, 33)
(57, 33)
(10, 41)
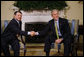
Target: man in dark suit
(9, 36)
(62, 34)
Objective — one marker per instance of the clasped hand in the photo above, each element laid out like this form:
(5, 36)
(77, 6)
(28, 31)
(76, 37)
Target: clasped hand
(32, 33)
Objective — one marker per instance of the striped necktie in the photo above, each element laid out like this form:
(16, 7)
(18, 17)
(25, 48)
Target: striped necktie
(56, 30)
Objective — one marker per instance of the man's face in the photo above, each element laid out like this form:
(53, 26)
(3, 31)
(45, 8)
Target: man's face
(55, 15)
(18, 16)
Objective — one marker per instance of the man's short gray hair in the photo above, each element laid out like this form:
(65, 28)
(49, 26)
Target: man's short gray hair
(54, 10)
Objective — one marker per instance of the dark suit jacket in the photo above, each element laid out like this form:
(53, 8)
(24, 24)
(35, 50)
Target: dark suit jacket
(64, 29)
(12, 30)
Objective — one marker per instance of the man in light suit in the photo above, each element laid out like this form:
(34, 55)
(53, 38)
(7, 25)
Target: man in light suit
(62, 35)
(9, 36)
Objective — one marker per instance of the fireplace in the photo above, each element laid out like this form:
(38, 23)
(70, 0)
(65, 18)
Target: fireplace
(36, 20)
(35, 26)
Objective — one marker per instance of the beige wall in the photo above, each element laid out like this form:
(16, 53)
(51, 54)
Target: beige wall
(6, 10)
(75, 11)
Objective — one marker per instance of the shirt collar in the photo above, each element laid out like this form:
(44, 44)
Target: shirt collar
(17, 20)
(57, 20)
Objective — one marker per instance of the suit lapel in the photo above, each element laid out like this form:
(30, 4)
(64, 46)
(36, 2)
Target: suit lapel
(53, 27)
(18, 25)
(60, 25)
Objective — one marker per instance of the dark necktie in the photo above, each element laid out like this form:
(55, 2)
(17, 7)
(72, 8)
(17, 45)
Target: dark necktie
(20, 23)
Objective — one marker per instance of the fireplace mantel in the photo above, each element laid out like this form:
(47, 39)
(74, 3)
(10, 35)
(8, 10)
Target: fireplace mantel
(36, 16)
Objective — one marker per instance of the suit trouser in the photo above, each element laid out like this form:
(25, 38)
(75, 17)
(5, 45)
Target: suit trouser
(48, 42)
(5, 47)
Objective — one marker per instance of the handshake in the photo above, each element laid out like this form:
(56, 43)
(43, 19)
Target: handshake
(33, 33)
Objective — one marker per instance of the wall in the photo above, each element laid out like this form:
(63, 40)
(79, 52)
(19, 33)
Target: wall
(6, 10)
(75, 11)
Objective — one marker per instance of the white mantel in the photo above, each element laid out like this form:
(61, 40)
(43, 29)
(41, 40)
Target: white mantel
(37, 16)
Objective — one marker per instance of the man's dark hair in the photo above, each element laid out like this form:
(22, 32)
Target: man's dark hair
(17, 12)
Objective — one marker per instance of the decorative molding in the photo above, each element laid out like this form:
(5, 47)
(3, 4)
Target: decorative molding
(15, 8)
